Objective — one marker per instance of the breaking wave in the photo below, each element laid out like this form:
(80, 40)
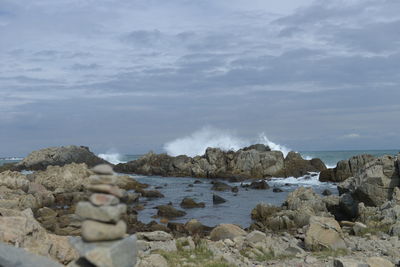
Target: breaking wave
(197, 143)
(114, 158)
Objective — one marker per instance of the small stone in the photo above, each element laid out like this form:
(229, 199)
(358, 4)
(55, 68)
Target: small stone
(105, 188)
(103, 213)
(277, 190)
(359, 228)
(99, 199)
(103, 179)
(93, 231)
(326, 192)
(217, 199)
(103, 169)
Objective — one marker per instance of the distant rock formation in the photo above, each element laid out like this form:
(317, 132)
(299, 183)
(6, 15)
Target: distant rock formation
(59, 156)
(257, 161)
(345, 168)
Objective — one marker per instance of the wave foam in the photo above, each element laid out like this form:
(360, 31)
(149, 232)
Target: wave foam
(197, 143)
(113, 158)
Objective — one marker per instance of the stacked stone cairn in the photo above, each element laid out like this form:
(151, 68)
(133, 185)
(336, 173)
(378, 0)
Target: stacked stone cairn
(104, 240)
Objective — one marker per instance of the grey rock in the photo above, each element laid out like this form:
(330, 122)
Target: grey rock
(218, 200)
(103, 169)
(103, 213)
(154, 236)
(340, 262)
(12, 257)
(103, 200)
(120, 253)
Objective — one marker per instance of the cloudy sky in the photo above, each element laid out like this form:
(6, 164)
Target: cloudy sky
(131, 75)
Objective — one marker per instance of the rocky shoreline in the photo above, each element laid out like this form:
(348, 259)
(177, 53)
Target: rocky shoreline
(41, 212)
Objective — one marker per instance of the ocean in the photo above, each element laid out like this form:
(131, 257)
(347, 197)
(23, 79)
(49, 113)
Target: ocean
(238, 207)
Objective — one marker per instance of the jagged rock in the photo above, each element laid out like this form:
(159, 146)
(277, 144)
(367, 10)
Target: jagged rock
(14, 180)
(374, 184)
(167, 211)
(102, 213)
(189, 203)
(324, 233)
(345, 169)
(260, 185)
(69, 178)
(296, 166)
(119, 253)
(59, 156)
(218, 200)
(226, 231)
(128, 183)
(93, 231)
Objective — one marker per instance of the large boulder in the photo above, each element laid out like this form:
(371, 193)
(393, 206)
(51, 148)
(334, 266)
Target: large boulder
(21, 229)
(59, 156)
(14, 180)
(345, 168)
(324, 234)
(374, 184)
(226, 231)
(69, 178)
(296, 166)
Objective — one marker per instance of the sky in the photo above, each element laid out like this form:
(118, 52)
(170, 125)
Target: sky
(132, 75)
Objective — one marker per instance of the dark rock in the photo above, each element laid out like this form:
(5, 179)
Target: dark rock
(296, 166)
(326, 192)
(150, 193)
(190, 185)
(189, 203)
(168, 211)
(217, 199)
(260, 185)
(277, 190)
(198, 182)
(59, 156)
(257, 147)
(235, 189)
(348, 205)
(219, 186)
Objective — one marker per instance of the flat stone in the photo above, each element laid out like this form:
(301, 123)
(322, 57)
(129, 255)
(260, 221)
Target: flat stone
(103, 200)
(154, 236)
(103, 179)
(93, 231)
(103, 213)
(106, 188)
(120, 253)
(103, 169)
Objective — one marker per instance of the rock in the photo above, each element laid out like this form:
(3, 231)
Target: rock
(341, 262)
(235, 189)
(130, 197)
(345, 169)
(198, 182)
(168, 211)
(256, 237)
(261, 185)
(226, 231)
(103, 200)
(105, 188)
(119, 253)
(324, 233)
(194, 227)
(189, 203)
(373, 184)
(12, 256)
(379, 262)
(102, 179)
(359, 228)
(154, 236)
(151, 193)
(102, 213)
(103, 169)
(219, 186)
(69, 178)
(395, 229)
(93, 231)
(218, 200)
(277, 190)
(153, 260)
(296, 166)
(348, 205)
(128, 183)
(326, 192)
(47, 217)
(14, 180)
(59, 156)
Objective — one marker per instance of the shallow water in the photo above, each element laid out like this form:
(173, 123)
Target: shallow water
(236, 210)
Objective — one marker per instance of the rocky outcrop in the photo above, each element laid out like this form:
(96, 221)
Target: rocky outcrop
(59, 156)
(345, 169)
(324, 233)
(375, 183)
(256, 161)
